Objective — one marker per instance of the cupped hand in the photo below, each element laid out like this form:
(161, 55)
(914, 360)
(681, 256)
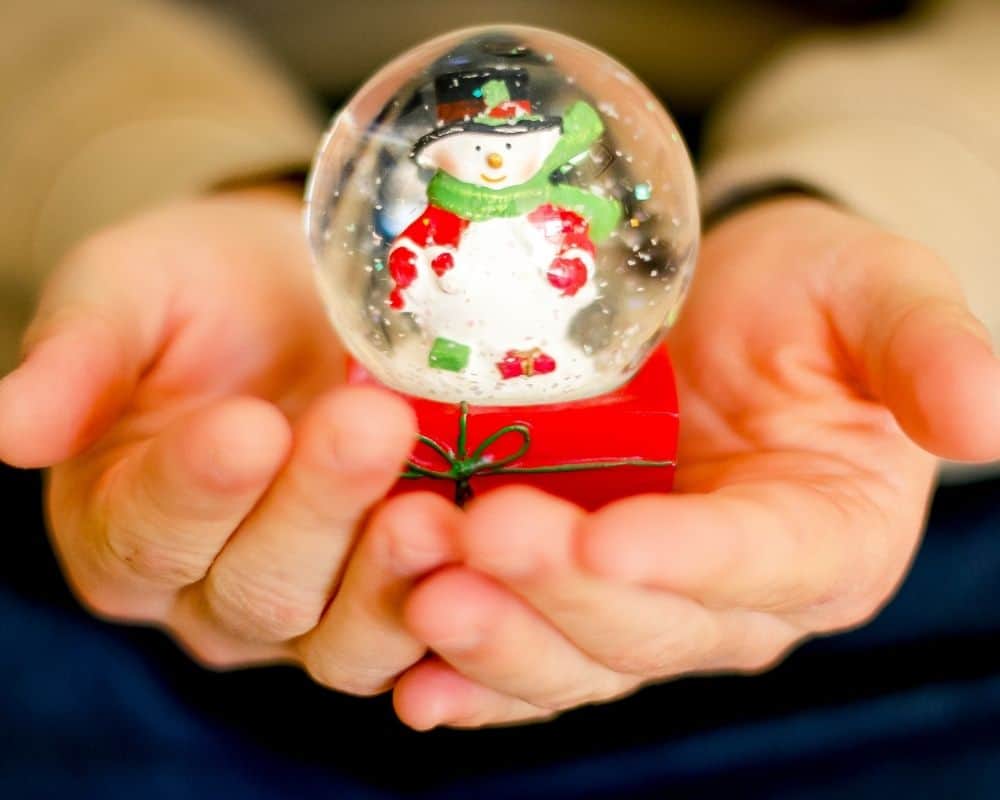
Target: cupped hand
(822, 364)
(209, 474)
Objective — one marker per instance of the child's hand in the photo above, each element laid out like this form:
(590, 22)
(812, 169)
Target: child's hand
(207, 479)
(816, 356)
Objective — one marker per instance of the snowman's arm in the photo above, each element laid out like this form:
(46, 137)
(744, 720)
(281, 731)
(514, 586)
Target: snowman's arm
(573, 266)
(431, 239)
(403, 260)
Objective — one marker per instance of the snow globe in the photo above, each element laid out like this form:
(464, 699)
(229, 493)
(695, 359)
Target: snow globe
(504, 223)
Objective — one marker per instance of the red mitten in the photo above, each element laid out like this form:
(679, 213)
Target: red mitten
(442, 263)
(567, 274)
(403, 269)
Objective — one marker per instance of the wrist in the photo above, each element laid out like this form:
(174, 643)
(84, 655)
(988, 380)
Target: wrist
(283, 183)
(748, 197)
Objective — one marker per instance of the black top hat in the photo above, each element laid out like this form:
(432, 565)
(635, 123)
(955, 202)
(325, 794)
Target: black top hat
(484, 101)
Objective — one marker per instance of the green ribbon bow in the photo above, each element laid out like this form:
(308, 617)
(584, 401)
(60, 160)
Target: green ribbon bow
(463, 466)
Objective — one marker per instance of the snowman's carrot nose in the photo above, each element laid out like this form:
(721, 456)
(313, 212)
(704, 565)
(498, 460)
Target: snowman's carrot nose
(495, 160)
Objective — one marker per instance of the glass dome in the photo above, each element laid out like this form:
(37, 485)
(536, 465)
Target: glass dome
(503, 216)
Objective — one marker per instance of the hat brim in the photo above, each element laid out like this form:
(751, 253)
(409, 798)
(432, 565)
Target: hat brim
(471, 126)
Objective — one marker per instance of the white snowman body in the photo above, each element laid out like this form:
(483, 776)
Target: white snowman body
(497, 298)
(500, 297)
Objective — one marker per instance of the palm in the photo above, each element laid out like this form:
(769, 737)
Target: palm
(776, 407)
(810, 360)
(224, 307)
(237, 310)
(184, 384)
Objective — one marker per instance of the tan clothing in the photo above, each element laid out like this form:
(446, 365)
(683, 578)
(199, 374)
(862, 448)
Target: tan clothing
(902, 125)
(109, 106)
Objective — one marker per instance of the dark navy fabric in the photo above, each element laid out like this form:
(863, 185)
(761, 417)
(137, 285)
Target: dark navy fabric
(909, 704)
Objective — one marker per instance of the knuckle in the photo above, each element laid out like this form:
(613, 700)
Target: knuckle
(258, 612)
(154, 561)
(498, 534)
(864, 590)
(759, 660)
(208, 657)
(598, 689)
(880, 248)
(391, 522)
(851, 612)
(209, 653)
(109, 253)
(97, 246)
(110, 606)
(116, 601)
(753, 643)
(90, 252)
(327, 670)
(487, 717)
(115, 246)
(310, 483)
(656, 657)
(500, 501)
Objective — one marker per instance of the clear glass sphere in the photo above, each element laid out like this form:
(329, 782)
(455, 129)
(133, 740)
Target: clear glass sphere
(503, 216)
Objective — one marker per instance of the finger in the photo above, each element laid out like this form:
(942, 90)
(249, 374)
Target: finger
(193, 626)
(95, 331)
(493, 638)
(69, 389)
(902, 316)
(433, 693)
(166, 510)
(278, 572)
(777, 547)
(360, 645)
(528, 541)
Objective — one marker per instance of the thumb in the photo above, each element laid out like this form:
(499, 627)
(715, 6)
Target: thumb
(84, 353)
(922, 352)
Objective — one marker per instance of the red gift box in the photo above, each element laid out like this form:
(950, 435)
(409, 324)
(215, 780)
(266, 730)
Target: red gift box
(590, 451)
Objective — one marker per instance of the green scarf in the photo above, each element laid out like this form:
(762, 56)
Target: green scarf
(581, 128)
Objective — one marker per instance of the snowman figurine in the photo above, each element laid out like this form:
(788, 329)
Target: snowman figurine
(502, 259)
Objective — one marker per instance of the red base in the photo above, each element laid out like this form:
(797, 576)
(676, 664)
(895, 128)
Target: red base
(590, 452)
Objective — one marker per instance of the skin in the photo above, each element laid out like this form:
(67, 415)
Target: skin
(820, 362)
(212, 475)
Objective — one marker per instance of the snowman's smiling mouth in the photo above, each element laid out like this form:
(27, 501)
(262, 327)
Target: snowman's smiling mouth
(488, 179)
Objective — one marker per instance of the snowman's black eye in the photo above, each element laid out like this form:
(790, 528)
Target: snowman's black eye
(478, 148)
(508, 145)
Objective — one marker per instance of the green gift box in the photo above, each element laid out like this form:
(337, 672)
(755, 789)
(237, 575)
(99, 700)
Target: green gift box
(449, 355)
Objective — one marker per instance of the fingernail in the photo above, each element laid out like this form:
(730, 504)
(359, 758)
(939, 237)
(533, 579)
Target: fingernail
(973, 325)
(351, 453)
(958, 318)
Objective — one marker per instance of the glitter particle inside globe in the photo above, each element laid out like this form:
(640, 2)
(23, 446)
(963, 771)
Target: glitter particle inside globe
(503, 216)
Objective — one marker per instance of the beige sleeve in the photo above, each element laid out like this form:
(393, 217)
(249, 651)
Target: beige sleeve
(901, 124)
(109, 106)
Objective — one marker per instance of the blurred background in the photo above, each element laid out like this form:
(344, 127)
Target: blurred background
(909, 704)
(689, 52)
